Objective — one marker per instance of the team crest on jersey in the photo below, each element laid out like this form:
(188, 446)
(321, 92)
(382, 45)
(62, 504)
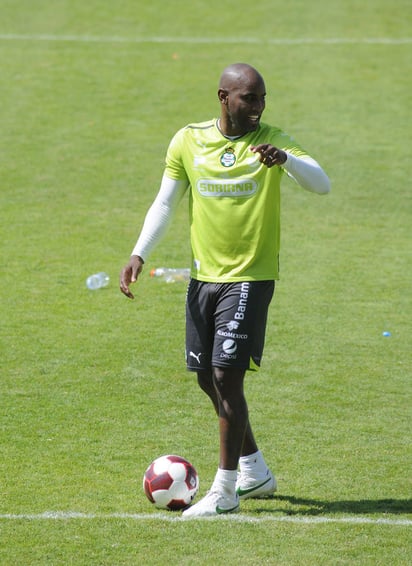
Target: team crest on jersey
(228, 158)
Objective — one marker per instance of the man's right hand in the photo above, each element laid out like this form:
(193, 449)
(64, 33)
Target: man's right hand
(129, 274)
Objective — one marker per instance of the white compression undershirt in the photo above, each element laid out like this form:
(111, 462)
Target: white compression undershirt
(307, 173)
(159, 215)
(304, 170)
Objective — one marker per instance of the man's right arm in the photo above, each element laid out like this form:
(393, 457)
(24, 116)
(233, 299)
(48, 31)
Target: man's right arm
(156, 222)
(159, 215)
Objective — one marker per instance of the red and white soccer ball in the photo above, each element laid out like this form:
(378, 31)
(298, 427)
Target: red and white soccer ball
(170, 482)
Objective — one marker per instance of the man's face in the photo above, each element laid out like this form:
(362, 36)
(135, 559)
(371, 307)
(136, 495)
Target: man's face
(245, 103)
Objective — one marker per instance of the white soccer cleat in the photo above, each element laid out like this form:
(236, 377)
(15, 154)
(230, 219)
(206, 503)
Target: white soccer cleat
(212, 505)
(256, 488)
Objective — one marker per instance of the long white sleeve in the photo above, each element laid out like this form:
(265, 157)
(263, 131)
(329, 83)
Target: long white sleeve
(307, 173)
(159, 215)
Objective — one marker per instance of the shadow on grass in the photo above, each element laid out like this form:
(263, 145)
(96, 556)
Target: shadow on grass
(302, 506)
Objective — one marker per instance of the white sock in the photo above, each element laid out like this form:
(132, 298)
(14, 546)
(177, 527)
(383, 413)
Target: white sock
(253, 465)
(225, 481)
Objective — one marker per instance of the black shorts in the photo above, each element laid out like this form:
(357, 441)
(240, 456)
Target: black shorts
(226, 323)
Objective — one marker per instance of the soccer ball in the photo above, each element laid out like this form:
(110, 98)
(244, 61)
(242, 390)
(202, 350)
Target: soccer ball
(170, 482)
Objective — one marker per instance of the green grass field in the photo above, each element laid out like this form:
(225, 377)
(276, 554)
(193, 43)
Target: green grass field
(94, 386)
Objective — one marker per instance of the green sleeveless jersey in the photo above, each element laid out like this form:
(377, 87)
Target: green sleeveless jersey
(234, 200)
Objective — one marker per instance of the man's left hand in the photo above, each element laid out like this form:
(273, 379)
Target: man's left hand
(269, 154)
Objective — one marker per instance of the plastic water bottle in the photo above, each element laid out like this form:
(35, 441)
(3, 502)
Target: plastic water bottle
(171, 274)
(97, 281)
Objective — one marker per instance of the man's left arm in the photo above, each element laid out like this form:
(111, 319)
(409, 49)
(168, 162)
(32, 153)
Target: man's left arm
(307, 172)
(303, 169)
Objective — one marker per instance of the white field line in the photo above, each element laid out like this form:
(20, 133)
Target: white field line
(208, 40)
(172, 518)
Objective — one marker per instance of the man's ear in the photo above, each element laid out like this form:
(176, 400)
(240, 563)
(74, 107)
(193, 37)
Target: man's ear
(223, 95)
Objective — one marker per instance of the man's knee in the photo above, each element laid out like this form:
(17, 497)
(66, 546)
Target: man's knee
(229, 381)
(205, 381)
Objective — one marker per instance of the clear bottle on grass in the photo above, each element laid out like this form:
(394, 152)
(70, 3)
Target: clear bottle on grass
(171, 274)
(97, 281)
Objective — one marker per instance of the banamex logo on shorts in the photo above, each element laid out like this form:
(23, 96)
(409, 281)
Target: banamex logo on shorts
(226, 187)
(229, 345)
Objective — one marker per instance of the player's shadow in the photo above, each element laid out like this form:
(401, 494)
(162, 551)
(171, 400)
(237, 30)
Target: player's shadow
(301, 506)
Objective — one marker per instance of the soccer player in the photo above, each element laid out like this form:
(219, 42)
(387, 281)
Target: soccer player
(232, 167)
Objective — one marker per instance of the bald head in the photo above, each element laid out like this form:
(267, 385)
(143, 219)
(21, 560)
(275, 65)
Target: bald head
(239, 74)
